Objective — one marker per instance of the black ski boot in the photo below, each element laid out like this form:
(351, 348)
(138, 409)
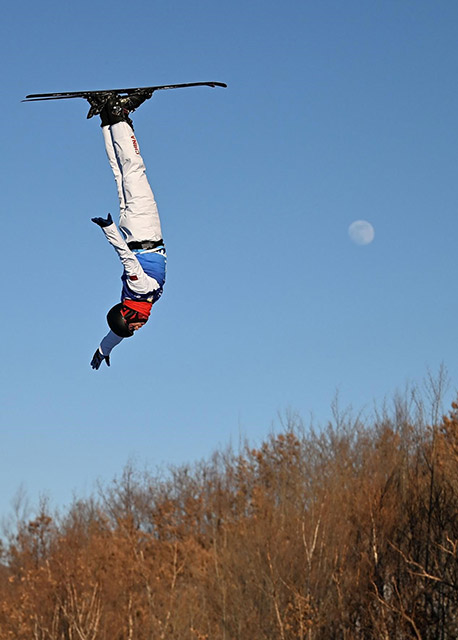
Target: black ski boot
(114, 111)
(113, 108)
(97, 102)
(134, 100)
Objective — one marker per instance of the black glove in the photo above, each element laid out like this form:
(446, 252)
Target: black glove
(98, 358)
(102, 222)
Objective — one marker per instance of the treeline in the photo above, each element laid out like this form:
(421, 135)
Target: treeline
(350, 532)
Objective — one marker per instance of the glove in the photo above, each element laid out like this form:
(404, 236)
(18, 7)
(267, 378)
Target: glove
(98, 358)
(102, 222)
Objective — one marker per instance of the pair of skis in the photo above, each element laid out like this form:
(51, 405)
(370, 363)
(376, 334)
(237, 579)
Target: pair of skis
(34, 97)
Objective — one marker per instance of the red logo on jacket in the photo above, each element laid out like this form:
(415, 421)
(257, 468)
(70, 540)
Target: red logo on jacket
(135, 143)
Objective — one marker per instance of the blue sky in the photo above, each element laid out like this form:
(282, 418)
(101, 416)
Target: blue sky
(334, 112)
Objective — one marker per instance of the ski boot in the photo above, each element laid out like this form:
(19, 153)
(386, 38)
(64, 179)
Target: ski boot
(97, 102)
(134, 100)
(114, 108)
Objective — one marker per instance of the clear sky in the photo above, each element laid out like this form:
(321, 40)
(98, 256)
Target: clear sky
(334, 112)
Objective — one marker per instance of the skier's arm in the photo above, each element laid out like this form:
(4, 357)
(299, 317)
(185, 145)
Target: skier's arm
(139, 281)
(109, 343)
(103, 352)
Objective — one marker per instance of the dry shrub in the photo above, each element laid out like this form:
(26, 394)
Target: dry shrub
(350, 532)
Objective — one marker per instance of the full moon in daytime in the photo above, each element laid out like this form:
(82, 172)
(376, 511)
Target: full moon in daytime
(361, 232)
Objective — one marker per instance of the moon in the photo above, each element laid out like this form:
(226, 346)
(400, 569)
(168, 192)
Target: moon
(361, 232)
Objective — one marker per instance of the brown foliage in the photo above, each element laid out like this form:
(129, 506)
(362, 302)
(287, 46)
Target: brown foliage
(347, 533)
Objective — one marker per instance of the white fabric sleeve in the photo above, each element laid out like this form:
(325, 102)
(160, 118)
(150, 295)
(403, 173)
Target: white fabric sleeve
(109, 342)
(139, 281)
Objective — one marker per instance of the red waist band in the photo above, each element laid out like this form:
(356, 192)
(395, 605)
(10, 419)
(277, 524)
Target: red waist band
(143, 308)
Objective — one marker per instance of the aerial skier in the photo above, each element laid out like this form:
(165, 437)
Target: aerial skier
(138, 241)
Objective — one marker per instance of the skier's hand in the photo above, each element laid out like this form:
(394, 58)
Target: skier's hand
(103, 222)
(98, 358)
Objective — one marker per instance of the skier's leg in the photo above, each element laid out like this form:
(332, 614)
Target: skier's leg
(140, 218)
(112, 159)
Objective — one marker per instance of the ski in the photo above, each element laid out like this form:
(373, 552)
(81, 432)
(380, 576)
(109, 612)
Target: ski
(34, 97)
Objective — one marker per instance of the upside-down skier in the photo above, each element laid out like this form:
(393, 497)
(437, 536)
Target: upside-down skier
(138, 241)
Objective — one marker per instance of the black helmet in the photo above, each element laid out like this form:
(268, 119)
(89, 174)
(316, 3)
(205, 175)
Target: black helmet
(117, 322)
